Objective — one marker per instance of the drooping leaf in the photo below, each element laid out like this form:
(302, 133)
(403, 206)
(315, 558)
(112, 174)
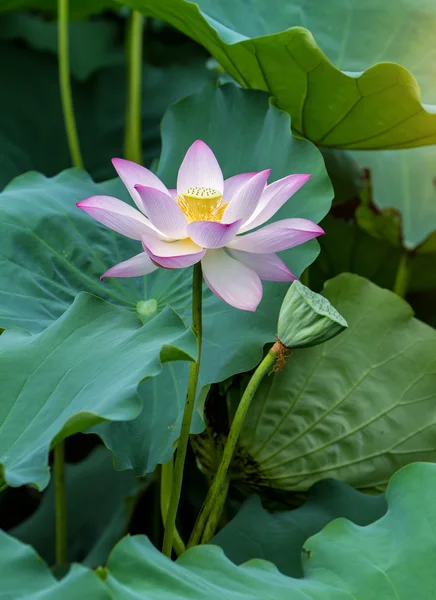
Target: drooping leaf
(24, 575)
(333, 91)
(279, 537)
(390, 559)
(356, 408)
(82, 370)
(100, 505)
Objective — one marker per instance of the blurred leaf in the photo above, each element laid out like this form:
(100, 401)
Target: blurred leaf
(24, 575)
(100, 505)
(79, 9)
(356, 408)
(345, 174)
(82, 370)
(403, 186)
(347, 103)
(346, 247)
(92, 44)
(279, 537)
(32, 135)
(389, 559)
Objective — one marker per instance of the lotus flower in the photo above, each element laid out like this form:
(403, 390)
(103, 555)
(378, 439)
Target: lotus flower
(203, 221)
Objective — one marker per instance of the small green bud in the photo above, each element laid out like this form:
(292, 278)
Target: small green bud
(307, 319)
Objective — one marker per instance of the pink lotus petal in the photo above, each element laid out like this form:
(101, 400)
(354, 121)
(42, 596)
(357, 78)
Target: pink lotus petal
(231, 281)
(117, 215)
(164, 213)
(210, 234)
(200, 168)
(138, 265)
(133, 174)
(232, 184)
(277, 236)
(173, 193)
(173, 255)
(269, 267)
(273, 198)
(245, 200)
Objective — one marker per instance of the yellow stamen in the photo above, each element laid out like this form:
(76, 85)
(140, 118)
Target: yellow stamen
(201, 204)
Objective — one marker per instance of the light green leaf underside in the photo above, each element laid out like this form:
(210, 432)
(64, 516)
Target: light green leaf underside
(279, 537)
(265, 47)
(356, 408)
(390, 559)
(82, 370)
(100, 505)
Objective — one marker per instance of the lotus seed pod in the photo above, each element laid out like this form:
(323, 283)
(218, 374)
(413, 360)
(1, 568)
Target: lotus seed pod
(307, 319)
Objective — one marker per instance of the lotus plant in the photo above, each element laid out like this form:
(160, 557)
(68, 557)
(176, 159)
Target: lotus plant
(206, 219)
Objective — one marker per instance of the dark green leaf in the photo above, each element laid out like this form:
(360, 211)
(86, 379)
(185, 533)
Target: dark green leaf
(279, 537)
(100, 502)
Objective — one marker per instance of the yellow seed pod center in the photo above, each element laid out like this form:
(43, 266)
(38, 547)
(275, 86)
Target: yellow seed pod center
(201, 204)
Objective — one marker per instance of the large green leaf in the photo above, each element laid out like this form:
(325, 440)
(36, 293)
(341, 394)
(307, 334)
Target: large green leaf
(233, 339)
(99, 105)
(279, 537)
(356, 408)
(23, 575)
(50, 250)
(82, 370)
(331, 103)
(390, 559)
(96, 519)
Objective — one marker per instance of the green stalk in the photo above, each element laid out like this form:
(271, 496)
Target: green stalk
(3, 487)
(216, 488)
(176, 489)
(216, 512)
(65, 85)
(403, 276)
(60, 504)
(166, 484)
(132, 140)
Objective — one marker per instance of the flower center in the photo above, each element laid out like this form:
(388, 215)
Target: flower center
(201, 204)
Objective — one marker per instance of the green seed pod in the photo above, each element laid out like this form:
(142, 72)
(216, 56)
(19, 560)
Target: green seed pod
(307, 319)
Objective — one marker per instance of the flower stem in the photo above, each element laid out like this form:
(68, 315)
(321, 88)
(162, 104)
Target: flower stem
(403, 276)
(220, 477)
(60, 504)
(65, 85)
(132, 139)
(4, 486)
(166, 484)
(215, 513)
(197, 282)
